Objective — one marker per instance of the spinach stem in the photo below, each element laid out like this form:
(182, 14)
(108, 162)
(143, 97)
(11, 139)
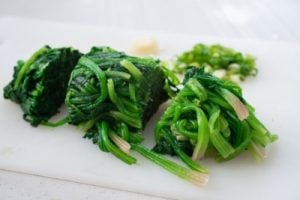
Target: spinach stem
(103, 130)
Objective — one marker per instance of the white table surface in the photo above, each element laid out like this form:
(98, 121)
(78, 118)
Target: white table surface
(257, 19)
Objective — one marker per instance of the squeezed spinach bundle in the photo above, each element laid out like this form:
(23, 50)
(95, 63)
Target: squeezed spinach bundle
(210, 116)
(107, 84)
(39, 84)
(218, 60)
(111, 96)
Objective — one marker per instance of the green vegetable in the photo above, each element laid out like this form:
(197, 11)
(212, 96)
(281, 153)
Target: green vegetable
(111, 96)
(216, 59)
(109, 85)
(194, 177)
(39, 84)
(209, 115)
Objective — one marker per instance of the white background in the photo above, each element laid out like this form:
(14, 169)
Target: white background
(255, 19)
(258, 19)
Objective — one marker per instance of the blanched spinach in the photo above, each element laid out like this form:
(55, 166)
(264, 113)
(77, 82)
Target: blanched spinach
(210, 115)
(111, 96)
(39, 84)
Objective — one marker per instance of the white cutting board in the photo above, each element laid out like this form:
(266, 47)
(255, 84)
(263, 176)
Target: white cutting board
(62, 153)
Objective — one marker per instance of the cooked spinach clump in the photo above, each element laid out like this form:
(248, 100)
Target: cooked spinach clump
(209, 116)
(111, 95)
(39, 84)
(110, 85)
